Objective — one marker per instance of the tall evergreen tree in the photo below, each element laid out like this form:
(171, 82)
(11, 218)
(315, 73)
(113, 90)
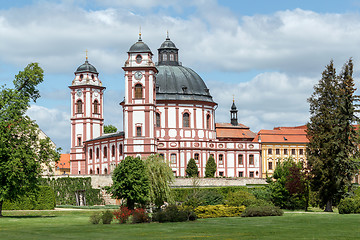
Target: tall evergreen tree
(332, 149)
(210, 168)
(192, 169)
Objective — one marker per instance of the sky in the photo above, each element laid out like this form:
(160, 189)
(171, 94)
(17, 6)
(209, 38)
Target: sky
(267, 55)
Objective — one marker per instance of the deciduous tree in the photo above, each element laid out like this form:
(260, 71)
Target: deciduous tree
(160, 177)
(110, 129)
(22, 152)
(131, 182)
(332, 150)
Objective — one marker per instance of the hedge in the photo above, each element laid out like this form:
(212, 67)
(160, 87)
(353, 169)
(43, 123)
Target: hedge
(43, 199)
(214, 211)
(65, 189)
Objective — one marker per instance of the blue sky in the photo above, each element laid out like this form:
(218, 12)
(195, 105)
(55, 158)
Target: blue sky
(268, 54)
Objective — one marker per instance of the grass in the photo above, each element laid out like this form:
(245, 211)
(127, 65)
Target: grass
(75, 225)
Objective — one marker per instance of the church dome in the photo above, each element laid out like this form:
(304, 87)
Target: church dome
(168, 44)
(180, 83)
(86, 67)
(139, 47)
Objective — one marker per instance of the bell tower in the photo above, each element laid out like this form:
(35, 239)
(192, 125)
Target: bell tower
(140, 101)
(233, 114)
(86, 113)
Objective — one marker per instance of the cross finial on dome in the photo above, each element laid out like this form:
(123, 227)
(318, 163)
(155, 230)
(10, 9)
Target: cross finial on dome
(140, 34)
(167, 35)
(233, 98)
(86, 52)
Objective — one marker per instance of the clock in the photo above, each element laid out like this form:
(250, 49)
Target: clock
(78, 92)
(138, 75)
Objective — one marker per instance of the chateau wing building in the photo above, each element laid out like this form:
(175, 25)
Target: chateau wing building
(168, 110)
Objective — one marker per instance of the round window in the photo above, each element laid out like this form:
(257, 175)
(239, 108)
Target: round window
(138, 58)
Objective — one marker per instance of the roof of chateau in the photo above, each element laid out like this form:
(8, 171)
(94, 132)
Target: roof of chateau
(283, 135)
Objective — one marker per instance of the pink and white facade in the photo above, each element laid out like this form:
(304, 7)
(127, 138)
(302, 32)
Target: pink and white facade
(167, 110)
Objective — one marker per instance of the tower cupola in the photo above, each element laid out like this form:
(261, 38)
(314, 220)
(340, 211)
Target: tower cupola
(168, 53)
(233, 114)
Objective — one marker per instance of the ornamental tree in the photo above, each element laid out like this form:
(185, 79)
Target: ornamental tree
(22, 152)
(332, 150)
(210, 168)
(131, 182)
(110, 129)
(160, 178)
(192, 168)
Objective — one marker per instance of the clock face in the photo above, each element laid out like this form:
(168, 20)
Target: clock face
(138, 75)
(78, 92)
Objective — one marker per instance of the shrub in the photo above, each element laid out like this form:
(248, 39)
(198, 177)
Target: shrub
(259, 211)
(107, 217)
(95, 218)
(210, 197)
(218, 211)
(237, 198)
(192, 168)
(140, 216)
(172, 213)
(263, 193)
(349, 205)
(122, 214)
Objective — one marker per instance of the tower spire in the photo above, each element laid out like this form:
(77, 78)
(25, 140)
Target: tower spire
(233, 114)
(86, 54)
(140, 34)
(167, 35)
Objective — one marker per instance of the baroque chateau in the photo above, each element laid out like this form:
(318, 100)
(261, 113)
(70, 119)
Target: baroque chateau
(168, 110)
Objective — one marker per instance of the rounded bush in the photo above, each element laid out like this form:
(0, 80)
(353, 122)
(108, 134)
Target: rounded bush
(95, 218)
(347, 206)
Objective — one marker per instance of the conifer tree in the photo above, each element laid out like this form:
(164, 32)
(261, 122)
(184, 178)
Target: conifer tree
(192, 168)
(332, 149)
(210, 168)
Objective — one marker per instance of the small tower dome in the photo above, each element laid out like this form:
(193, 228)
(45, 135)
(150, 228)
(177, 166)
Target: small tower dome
(139, 47)
(168, 53)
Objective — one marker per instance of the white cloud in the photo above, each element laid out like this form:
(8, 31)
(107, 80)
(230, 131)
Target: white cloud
(54, 123)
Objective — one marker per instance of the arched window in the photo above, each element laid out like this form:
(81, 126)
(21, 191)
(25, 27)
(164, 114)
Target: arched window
(105, 152)
(81, 76)
(196, 157)
(186, 122)
(113, 151)
(157, 119)
(79, 106)
(90, 154)
(171, 57)
(98, 171)
(91, 172)
(164, 57)
(120, 149)
(208, 121)
(96, 107)
(221, 159)
(97, 152)
(105, 170)
(138, 91)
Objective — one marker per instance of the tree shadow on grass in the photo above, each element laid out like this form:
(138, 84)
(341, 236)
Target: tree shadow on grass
(3, 217)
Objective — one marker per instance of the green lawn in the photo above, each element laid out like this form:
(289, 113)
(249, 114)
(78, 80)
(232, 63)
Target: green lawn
(74, 225)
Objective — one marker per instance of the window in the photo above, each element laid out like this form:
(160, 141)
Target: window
(301, 151)
(285, 152)
(241, 174)
(120, 149)
(138, 131)
(240, 159)
(208, 121)
(173, 158)
(96, 107)
(251, 159)
(157, 119)
(221, 174)
(79, 106)
(221, 162)
(171, 57)
(105, 171)
(251, 174)
(138, 91)
(113, 151)
(97, 152)
(164, 57)
(138, 58)
(90, 154)
(270, 151)
(196, 157)
(277, 151)
(79, 141)
(293, 151)
(81, 76)
(98, 171)
(105, 152)
(161, 155)
(270, 165)
(91, 172)
(186, 122)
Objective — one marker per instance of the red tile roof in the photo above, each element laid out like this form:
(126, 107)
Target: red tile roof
(64, 161)
(227, 130)
(283, 135)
